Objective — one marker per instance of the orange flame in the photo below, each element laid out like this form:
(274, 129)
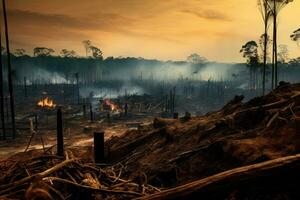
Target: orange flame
(46, 102)
(111, 104)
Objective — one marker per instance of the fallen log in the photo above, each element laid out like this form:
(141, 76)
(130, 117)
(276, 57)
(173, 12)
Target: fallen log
(233, 178)
(11, 186)
(127, 148)
(266, 106)
(159, 122)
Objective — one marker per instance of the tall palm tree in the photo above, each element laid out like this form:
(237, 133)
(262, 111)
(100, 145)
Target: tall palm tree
(266, 16)
(276, 6)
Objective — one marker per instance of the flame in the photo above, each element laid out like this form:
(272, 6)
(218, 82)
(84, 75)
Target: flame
(46, 102)
(111, 104)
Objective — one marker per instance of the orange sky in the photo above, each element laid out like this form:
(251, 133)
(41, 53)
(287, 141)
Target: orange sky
(160, 29)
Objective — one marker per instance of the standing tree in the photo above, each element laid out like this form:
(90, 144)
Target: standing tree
(96, 52)
(250, 52)
(266, 16)
(42, 51)
(296, 36)
(19, 52)
(283, 53)
(2, 94)
(196, 59)
(263, 46)
(276, 6)
(10, 72)
(87, 44)
(68, 53)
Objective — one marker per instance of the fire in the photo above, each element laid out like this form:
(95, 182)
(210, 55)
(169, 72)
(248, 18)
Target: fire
(46, 102)
(111, 104)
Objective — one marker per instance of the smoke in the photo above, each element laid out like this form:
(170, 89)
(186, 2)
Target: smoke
(170, 71)
(218, 72)
(41, 76)
(129, 76)
(111, 92)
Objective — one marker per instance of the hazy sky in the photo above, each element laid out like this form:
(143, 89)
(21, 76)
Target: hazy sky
(161, 29)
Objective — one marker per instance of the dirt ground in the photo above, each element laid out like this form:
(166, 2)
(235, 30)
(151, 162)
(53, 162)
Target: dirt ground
(79, 133)
(171, 153)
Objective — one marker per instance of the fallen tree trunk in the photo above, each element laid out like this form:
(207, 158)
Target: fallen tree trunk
(266, 106)
(13, 185)
(287, 167)
(124, 150)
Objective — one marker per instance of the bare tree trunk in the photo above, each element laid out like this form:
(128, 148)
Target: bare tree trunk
(275, 51)
(2, 95)
(25, 86)
(265, 58)
(273, 61)
(77, 85)
(10, 79)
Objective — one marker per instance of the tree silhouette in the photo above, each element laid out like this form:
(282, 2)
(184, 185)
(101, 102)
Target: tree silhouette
(96, 52)
(68, 53)
(250, 52)
(42, 51)
(266, 13)
(19, 52)
(283, 53)
(87, 44)
(196, 59)
(276, 6)
(264, 46)
(295, 36)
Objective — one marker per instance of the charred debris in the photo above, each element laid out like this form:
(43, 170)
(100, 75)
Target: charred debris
(245, 150)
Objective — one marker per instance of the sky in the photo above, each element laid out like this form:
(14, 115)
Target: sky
(153, 29)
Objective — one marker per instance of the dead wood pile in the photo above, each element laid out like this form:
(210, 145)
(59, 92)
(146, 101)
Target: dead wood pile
(238, 152)
(47, 176)
(175, 152)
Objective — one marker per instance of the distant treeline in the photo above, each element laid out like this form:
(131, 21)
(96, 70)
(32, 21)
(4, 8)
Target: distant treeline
(102, 68)
(47, 67)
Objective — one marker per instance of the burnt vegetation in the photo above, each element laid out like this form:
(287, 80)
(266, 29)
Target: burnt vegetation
(90, 127)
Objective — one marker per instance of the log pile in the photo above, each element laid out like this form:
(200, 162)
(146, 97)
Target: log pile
(175, 151)
(47, 176)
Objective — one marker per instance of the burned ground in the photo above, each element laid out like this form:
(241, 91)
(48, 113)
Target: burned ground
(175, 152)
(172, 152)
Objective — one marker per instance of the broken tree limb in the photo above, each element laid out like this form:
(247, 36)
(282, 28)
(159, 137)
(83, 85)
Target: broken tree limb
(55, 179)
(272, 119)
(230, 178)
(267, 106)
(11, 186)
